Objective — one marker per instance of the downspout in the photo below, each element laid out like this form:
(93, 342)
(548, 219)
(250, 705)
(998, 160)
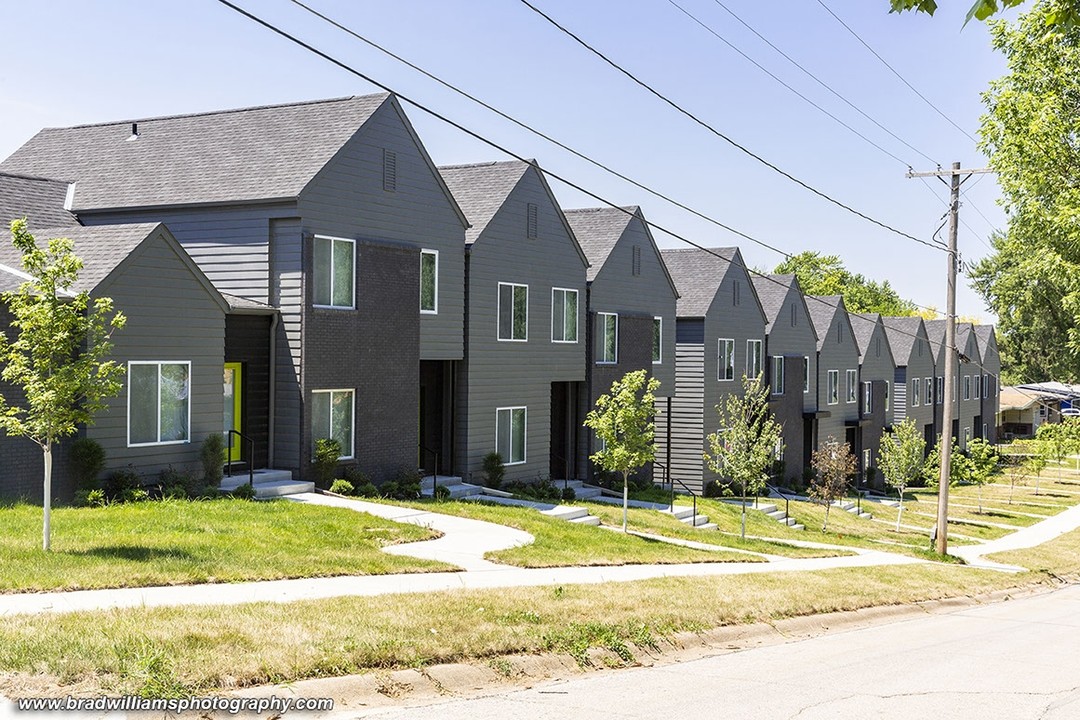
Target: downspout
(273, 387)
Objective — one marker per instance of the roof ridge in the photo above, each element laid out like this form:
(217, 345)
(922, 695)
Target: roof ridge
(227, 111)
(488, 163)
(624, 209)
(42, 178)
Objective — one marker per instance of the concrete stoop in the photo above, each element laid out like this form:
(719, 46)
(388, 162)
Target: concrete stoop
(850, 507)
(460, 490)
(772, 511)
(268, 483)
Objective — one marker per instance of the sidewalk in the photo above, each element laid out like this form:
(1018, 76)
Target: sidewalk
(1023, 538)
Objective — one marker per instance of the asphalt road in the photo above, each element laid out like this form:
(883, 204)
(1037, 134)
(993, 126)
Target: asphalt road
(1016, 659)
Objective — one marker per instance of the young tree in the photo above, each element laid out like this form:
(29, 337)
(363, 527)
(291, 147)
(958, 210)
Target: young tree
(900, 459)
(56, 353)
(833, 464)
(982, 463)
(744, 447)
(1059, 440)
(959, 466)
(622, 420)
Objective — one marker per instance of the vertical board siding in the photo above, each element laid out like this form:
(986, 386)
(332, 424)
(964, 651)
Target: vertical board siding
(287, 294)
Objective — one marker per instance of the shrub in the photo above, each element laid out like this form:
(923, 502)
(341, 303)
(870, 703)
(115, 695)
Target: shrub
(356, 476)
(713, 490)
(175, 492)
(343, 487)
(389, 489)
(494, 470)
(327, 452)
(133, 495)
(91, 498)
(212, 456)
(408, 482)
(442, 493)
(87, 459)
(244, 492)
(568, 494)
(121, 481)
(367, 490)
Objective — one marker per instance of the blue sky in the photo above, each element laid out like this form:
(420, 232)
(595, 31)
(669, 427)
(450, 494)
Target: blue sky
(66, 62)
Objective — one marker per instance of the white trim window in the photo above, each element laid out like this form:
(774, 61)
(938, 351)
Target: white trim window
(159, 402)
(334, 274)
(778, 375)
(888, 396)
(725, 359)
(967, 387)
(510, 425)
(332, 413)
(834, 387)
(940, 386)
(967, 438)
(868, 397)
(916, 392)
(852, 385)
(806, 374)
(928, 392)
(564, 315)
(867, 460)
(978, 386)
(608, 352)
(429, 282)
(986, 386)
(754, 358)
(513, 312)
(657, 340)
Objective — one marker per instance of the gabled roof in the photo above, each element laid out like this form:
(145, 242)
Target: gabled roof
(902, 332)
(986, 336)
(598, 230)
(250, 154)
(862, 329)
(935, 331)
(823, 308)
(39, 200)
(965, 333)
(772, 291)
(698, 275)
(481, 189)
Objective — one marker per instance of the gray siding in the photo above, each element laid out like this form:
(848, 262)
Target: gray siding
(287, 294)
(686, 419)
(796, 339)
(877, 366)
(920, 364)
(347, 199)
(514, 374)
(838, 352)
(991, 401)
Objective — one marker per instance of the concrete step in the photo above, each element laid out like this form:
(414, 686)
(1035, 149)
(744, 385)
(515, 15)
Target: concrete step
(707, 526)
(586, 520)
(263, 475)
(268, 483)
(428, 481)
(778, 515)
(798, 527)
(790, 521)
(866, 516)
(565, 512)
(683, 513)
(767, 508)
(696, 520)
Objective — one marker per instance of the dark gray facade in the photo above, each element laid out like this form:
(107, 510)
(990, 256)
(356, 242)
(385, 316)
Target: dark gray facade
(915, 363)
(991, 395)
(838, 372)
(877, 371)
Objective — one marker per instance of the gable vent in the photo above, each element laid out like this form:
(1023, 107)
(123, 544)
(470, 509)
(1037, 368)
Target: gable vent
(134, 132)
(794, 317)
(637, 260)
(531, 221)
(389, 171)
(735, 293)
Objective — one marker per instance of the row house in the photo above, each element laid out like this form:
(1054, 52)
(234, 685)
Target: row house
(914, 392)
(877, 369)
(839, 415)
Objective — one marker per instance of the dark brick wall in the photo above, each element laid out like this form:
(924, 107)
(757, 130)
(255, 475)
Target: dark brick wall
(247, 341)
(787, 409)
(375, 351)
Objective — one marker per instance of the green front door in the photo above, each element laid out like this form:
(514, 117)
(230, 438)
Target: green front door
(232, 414)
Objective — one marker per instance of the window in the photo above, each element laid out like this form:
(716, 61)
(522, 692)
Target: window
(888, 395)
(778, 375)
(928, 390)
(916, 392)
(978, 382)
(159, 407)
(609, 338)
(429, 282)
(806, 374)
(941, 389)
(332, 417)
(753, 358)
(778, 450)
(868, 397)
(852, 383)
(531, 222)
(657, 340)
(635, 268)
(564, 315)
(867, 459)
(510, 434)
(984, 435)
(986, 386)
(334, 273)
(954, 389)
(967, 387)
(834, 387)
(735, 293)
(967, 438)
(513, 312)
(725, 354)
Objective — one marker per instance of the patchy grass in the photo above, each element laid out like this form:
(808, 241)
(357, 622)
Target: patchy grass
(176, 542)
(171, 651)
(1060, 556)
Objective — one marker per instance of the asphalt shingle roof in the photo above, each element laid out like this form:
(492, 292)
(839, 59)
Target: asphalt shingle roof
(862, 327)
(901, 332)
(598, 230)
(984, 333)
(239, 155)
(39, 200)
(823, 309)
(480, 189)
(697, 275)
(772, 290)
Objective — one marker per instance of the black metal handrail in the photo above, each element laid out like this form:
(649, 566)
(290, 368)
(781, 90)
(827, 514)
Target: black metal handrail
(566, 469)
(435, 472)
(251, 455)
(787, 501)
(672, 480)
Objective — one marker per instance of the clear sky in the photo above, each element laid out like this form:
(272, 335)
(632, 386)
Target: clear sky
(67, 62)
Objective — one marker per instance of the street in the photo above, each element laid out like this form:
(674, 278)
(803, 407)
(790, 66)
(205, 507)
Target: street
(1016, 659)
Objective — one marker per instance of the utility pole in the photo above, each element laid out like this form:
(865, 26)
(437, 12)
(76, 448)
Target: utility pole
(950, 346)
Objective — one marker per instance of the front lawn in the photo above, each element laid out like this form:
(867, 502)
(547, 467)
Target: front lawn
(176, 542)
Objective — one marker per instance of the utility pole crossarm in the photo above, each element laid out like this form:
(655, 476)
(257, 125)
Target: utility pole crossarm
(948, 171)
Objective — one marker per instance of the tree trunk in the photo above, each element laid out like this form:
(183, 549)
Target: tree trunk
(980, 499)
(625, 497)
(825, 525)
(743, 520)
(46, 530)
(899, 510)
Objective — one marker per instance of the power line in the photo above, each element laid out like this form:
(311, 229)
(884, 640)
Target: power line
(895, 72)
(719, 134)
(765, 70)
(963, 222)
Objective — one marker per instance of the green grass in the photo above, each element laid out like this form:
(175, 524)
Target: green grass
(1060, 556)
(181, 542)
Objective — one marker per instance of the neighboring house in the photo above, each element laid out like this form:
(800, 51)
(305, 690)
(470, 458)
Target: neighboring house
(331, 225)
(172, 347)
(967, 391)
(631, 313)
(991, 382)
(524, 368)
(791, 359)
(719, 339)
(914, 390)
(1023, 411)
(877, 369)
(838, 373)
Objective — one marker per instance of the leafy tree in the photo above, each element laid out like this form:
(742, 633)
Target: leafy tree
(623, 421)
(744, 447)
(56, 355)
(1059, 440)
(900, 459)
(826, 275)
(982, 464)
(1031, 280)
(959, 466)
(833, 464)
(1062, 12)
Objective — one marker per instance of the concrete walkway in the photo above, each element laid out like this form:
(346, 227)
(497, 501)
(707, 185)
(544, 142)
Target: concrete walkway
(1023, 538)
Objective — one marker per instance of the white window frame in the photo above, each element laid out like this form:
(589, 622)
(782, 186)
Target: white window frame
(658, 332)
(852, 378)
(159, 441)
(524, 429)
(434, 311)
(602, 317)
(916, 392)
(928, 391)
(867, 460)
(352, 416)
(986, 386)
(332, 239)
(967, 438)
(577, 314)
(498, 312)
(833, 388)
(758, 354)
(721, 364)
(967, 386)
(939, 386)
(868, 397)
(806, 374)
(888, 397)
(978, 386)
(778, 375)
